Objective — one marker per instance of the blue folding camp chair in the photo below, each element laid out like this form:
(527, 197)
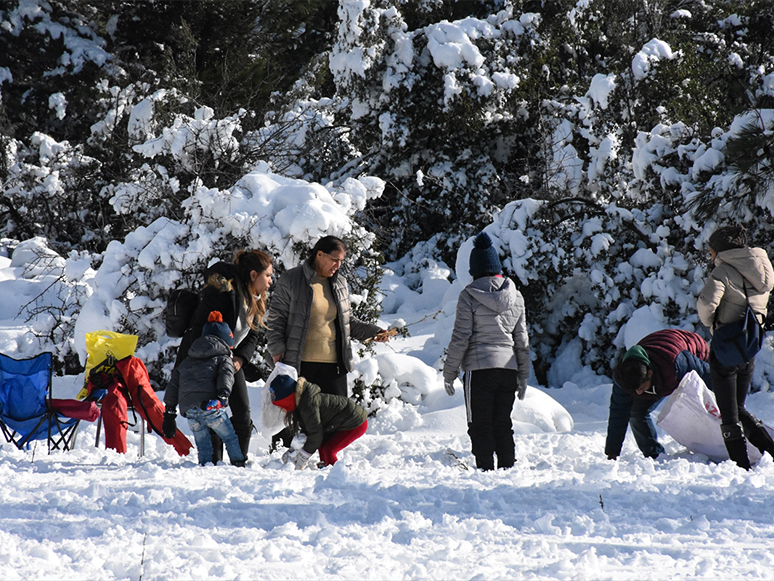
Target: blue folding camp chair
(26, 413)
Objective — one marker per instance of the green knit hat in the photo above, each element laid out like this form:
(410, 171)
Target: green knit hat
(638, 354)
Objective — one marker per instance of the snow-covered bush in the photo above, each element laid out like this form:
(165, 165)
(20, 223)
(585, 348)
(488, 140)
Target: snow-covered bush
(416, 103)
(58, 288)
(49, 190)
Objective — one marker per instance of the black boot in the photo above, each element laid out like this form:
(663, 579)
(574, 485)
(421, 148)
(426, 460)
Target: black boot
(757, 434)
(244, 432)
(485, 465)
(733, 438)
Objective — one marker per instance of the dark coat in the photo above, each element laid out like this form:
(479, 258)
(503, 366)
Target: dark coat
(322, 414)
(207, 373)
(222, 293)
(673, 353)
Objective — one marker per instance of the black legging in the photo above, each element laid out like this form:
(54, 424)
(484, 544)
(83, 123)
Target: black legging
(731, 385)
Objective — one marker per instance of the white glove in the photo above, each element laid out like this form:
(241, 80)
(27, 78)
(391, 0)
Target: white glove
(449, 387)
(299, 458)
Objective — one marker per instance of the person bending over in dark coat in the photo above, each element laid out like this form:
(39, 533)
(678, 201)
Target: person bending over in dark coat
(330, 422)
(649, 372)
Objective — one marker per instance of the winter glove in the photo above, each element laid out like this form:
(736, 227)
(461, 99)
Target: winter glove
(213, 404)
(521, 389)
(169, 425)
(298, 457)
(251, 371)
(449, 387)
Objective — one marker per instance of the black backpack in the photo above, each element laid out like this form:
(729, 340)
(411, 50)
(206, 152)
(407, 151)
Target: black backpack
(179, 311)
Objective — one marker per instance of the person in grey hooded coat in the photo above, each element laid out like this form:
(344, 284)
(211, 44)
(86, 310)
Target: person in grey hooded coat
(491, 345)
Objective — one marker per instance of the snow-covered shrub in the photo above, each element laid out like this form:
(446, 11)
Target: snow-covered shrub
(50, 314)
(49, 190)
(416, 104)
(307, 141)
(733, 175)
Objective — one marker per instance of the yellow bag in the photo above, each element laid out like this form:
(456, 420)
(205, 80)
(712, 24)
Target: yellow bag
(103, 349)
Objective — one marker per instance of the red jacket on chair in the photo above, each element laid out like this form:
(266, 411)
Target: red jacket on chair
(133, 384)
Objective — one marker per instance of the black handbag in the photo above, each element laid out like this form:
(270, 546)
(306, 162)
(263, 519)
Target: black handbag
(738, 342)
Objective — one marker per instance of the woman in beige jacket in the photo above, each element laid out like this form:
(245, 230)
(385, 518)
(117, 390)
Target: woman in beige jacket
(741, 275)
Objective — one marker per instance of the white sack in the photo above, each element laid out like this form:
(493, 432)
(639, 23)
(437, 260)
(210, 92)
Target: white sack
(691, 417)
(273, 417)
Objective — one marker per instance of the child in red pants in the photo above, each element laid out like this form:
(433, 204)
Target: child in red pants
(330, 422)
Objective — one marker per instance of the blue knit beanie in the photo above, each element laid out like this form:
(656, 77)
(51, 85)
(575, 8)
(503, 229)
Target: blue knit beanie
(216, 326)
(282, 386)
(483, 257)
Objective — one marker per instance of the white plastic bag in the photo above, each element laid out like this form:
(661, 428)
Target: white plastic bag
(692, 418)
(273, 417)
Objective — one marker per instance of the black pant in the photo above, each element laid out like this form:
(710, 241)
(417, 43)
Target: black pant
(331, 377)
(239, 402)
(489, 398)
(731, 385)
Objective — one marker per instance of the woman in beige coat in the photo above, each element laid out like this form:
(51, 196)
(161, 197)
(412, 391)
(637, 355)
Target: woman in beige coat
(741, 275)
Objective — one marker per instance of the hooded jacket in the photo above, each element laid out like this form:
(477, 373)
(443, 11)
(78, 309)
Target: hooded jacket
(490, 329)
(321, 414)
(222, 292)
(722, 300)
(207, 373)
(289, 313)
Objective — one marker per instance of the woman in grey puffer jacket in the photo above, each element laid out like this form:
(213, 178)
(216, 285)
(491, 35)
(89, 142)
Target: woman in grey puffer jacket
(741, 275)
(491, 345)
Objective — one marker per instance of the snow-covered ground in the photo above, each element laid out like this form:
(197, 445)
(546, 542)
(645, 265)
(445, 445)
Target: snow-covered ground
(404, 501)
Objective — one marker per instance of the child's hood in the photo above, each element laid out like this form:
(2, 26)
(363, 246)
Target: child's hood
(209, 346)
(494, 292)
(304, 386)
